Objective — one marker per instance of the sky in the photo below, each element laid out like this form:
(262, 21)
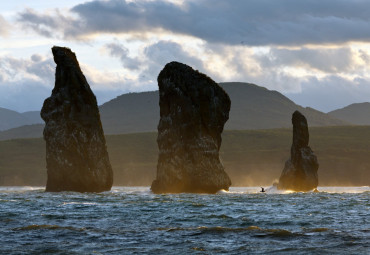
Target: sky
(317, 53)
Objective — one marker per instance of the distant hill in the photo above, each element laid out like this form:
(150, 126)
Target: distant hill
(28, 131)
(33, 116)
(255, 107)
(11, 119)
(355, 113)
(131, 113)
(252, 107)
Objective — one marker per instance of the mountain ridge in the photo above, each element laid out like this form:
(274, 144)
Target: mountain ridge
(357, 113)
(252, 107)
(16, 119)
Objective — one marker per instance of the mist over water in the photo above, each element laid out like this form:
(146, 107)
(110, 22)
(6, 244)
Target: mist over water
(131, 220)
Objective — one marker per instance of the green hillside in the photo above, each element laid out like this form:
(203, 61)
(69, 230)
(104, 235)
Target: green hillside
(27, 131)
(250, 157)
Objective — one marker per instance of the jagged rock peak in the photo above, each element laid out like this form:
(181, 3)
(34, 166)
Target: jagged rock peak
(193, 112)
(65, 57)
(300, 171)
(76, 153)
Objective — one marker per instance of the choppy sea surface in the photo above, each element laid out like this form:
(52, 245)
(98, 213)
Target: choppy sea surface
(132, 220)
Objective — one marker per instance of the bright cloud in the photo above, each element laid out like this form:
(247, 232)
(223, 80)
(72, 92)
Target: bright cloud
(4, 26)
(316, 52)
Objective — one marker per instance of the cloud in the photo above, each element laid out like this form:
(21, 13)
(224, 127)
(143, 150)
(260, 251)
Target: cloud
(364, 56)
(36, 58)
(157, 55)
(118, 50)
(15, 69)
(4, 26)
(153, 57)
(51, 25)
(26, 82)
(23, 95)
(332, 92)
(323, 78)
(302, 48)
(237, 63)
(330, 60)
(253, 23)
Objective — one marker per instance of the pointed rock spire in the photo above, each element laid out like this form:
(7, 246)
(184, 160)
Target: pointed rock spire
(76, 153)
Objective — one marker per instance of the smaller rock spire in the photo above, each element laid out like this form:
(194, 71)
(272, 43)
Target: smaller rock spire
(300, 171)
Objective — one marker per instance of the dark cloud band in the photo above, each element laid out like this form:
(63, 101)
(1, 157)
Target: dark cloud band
(253, 22)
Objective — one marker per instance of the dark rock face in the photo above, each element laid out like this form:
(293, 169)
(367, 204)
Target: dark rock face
(193, 112)
(76, 154)
(300, 171)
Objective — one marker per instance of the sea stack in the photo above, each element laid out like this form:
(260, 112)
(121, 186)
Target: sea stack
(300, 171)
(76, 153)
(193, 112)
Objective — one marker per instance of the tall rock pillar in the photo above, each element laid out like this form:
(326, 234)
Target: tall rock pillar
(76, 153)
(193, 112)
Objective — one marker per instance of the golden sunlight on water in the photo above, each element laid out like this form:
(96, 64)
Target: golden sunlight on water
(274, 190)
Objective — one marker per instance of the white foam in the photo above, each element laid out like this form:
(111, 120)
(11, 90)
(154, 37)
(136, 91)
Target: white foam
(344, 189)
(273, 190)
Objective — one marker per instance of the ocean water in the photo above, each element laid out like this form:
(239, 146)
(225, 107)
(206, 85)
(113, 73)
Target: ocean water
(132, 220)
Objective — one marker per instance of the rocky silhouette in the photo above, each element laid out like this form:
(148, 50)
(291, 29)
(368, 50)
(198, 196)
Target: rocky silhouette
(76, 154)
(300, 171)
(193, 112)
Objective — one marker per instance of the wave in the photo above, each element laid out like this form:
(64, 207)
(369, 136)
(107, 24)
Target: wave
(79, 203)
(252, 230)
(47, 227)
(255, 230)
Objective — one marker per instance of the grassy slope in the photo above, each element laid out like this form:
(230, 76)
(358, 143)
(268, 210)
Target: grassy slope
(251, 157)
(27, 131)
